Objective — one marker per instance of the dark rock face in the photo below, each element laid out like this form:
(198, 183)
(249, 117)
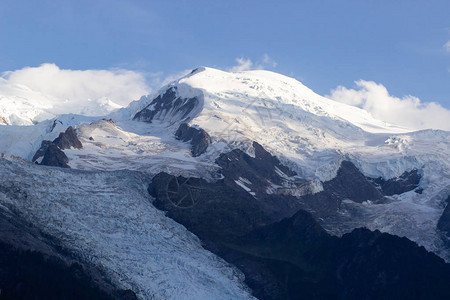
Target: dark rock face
(294, 258)
(360, 265)
(55, 157)
(68, 139)
(199, 138)
(408, 181)
(236, 211)
(41, 151)
(168, 106)
(35, 266)
(349, 183)
(243, 173)
(282, 250)
(209, 209)
(374, 265)
(444, 220)
(260, 171)
(52, 151)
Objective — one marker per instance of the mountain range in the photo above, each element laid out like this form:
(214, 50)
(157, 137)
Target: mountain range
(221, 185)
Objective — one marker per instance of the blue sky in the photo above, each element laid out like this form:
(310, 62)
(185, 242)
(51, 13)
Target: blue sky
(324, 44)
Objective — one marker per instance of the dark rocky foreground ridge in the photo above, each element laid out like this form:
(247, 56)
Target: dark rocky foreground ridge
(282, 250)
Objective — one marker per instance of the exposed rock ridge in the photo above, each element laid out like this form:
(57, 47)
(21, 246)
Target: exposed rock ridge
(52, 152)
(168, 106)
(198, 138)
(406, 182)
(68, 139)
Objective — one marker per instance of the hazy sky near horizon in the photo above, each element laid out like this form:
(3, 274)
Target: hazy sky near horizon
(327, 45)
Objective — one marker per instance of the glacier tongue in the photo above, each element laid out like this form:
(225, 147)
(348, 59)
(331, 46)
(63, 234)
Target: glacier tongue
(107, 219)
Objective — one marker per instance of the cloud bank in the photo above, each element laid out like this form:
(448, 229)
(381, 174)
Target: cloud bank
(408, 111)
(34, 94)
(118, 85)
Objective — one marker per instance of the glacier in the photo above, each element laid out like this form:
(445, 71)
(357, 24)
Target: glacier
(107, 219)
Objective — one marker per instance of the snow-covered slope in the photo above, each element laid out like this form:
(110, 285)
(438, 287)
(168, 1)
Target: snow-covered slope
(24, 141)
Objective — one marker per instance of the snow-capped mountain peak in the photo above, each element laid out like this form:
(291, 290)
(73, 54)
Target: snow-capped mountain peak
(263, 135)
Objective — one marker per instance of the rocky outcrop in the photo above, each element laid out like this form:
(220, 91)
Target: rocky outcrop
(4, 121)
(263, 175)
(198, 138)
(36, 266)
(349, 183)
(55, 157)
(52, 151)
(168, 106)
(41, 151)
(444, 221)
(408, 181)
(68, 139)
(262, 170)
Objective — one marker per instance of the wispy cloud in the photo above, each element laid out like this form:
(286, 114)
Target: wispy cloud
(447, 46)
(243, 64)
(246, 64)
(268, 61)
(408, 111)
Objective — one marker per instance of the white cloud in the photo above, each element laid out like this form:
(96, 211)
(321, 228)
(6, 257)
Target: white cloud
(447, 46)
(408, 111)
(119, 85)
(268, 61)
(246, 64)
(158, 80)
